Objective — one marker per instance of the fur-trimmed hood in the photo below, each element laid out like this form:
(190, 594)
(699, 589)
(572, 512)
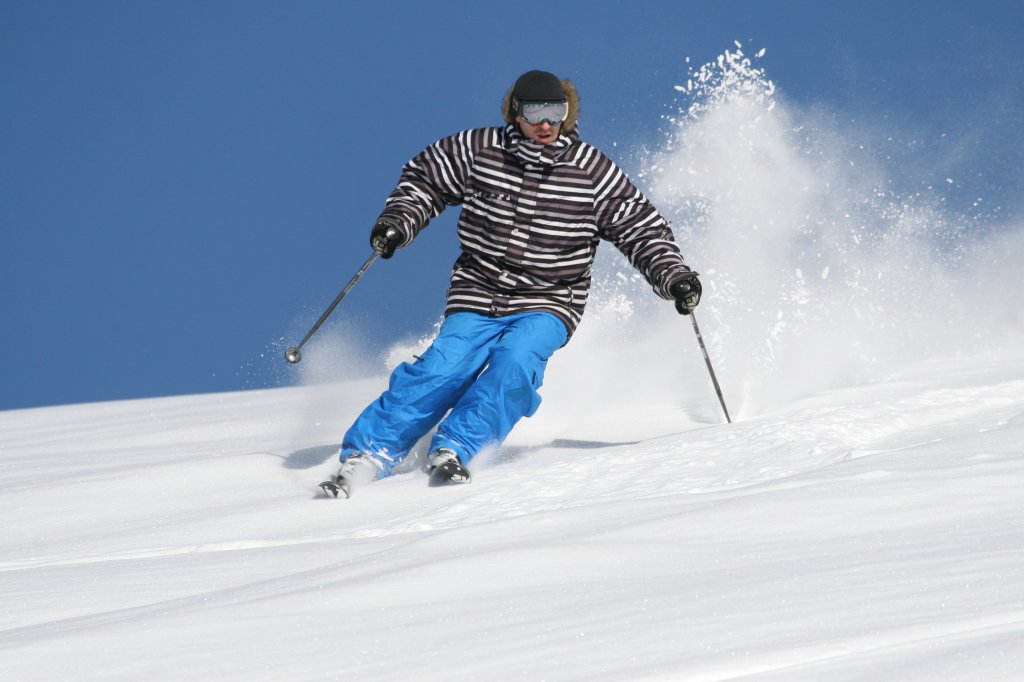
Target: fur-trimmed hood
(570, 96)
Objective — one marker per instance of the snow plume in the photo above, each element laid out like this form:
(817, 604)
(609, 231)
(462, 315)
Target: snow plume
(816, 272)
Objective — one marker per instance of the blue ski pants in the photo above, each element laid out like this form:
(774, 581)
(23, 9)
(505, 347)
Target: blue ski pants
(482, 371)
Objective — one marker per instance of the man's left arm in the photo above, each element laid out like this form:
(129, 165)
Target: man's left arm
(628, 220)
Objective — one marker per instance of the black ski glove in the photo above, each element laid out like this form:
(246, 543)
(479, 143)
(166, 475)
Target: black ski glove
(686, 292)
(385, 238)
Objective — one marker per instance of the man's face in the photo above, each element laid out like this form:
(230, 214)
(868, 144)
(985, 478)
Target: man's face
(542, 121)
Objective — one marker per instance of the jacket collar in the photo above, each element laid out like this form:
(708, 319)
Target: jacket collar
(533, 153)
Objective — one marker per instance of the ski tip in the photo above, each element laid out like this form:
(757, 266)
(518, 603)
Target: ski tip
(449, 473)
(332, 489)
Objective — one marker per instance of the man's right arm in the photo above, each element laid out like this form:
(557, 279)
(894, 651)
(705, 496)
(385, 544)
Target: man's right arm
(433, 180)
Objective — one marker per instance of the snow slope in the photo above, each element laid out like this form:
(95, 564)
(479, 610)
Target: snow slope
(867, 533)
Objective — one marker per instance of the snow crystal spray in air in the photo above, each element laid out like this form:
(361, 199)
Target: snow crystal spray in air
(818, 271)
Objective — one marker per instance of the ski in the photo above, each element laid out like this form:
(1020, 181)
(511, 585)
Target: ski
(336, 487)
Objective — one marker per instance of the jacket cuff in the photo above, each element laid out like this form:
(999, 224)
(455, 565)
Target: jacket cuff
(677, 274)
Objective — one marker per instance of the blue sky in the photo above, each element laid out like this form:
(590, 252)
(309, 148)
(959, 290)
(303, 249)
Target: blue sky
(184, 186)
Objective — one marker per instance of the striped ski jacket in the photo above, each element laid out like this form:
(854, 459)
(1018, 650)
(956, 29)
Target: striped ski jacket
(531, 221)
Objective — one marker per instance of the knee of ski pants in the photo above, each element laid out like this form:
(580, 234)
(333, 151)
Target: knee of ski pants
(446, 365)
(525, 348)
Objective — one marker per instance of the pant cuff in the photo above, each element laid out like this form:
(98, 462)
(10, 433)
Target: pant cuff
(442, 441)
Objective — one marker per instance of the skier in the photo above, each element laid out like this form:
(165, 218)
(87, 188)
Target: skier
(536, 201)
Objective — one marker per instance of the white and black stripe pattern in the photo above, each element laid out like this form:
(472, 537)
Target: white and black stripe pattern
(531, 221)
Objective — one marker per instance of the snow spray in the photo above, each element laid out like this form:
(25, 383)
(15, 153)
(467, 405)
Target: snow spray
(817, 273)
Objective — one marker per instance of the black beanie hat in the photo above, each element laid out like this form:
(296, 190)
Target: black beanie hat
(538, 86)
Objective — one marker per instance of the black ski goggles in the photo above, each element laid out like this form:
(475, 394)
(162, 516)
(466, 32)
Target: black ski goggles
(536, 113)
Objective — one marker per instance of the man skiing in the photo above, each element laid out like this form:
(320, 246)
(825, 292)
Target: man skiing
(536, 201)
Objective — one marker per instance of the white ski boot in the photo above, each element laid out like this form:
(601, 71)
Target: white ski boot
(354, 471)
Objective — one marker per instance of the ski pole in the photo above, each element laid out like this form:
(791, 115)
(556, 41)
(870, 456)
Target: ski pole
(711, 370)
(294, 354)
